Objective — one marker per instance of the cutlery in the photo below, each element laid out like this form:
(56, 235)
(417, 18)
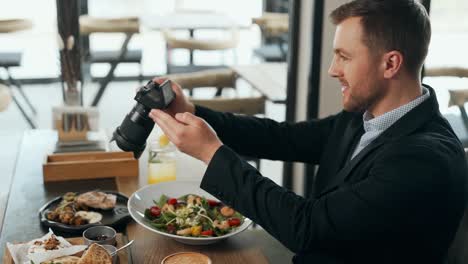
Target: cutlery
(124, 246)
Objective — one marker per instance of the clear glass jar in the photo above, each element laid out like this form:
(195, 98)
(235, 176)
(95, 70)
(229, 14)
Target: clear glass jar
(161, 163)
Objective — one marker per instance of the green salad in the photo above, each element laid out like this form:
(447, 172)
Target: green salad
(193, 215)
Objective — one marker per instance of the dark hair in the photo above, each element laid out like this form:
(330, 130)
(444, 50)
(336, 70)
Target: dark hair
(401, 25)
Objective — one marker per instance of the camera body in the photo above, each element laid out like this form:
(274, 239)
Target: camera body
(131, 135)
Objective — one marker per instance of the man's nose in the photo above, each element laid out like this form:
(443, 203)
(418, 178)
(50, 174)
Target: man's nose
(333, 70)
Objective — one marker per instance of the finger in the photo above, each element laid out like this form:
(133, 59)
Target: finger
(176, 88)
(188, 118)
(168, 120)
(159, 80)
(167, 129)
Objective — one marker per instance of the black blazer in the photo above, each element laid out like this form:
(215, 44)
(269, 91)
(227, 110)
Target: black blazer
(400, 200)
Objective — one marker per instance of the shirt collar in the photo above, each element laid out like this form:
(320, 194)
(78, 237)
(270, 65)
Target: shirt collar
(384, 121)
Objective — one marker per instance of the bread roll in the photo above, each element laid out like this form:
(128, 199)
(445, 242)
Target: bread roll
(95, 254)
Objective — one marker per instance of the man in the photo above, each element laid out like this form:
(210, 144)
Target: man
(390, 185)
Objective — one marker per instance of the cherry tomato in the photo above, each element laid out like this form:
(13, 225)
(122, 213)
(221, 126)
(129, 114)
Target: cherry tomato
(171, 228)
(212, 203)
(172, 201)
(234, 222)
(207, 233)
(155, 211)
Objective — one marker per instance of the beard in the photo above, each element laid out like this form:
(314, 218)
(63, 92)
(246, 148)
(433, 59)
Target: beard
(363, 96)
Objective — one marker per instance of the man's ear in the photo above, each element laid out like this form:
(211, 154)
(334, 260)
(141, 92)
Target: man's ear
(393, 62)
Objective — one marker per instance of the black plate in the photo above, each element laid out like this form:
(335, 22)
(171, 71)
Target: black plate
(113, 217)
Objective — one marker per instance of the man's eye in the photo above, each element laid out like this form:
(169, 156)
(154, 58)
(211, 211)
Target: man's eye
(343, 58)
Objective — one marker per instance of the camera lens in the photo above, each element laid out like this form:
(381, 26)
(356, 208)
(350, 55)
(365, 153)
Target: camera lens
(135, 129)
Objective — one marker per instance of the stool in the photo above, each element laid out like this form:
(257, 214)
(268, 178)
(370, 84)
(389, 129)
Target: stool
(127, 25)
(13, 59)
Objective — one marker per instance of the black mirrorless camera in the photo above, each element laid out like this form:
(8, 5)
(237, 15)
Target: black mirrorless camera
(131, 135)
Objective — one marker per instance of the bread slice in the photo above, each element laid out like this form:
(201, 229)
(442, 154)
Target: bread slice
(95, 254)
(63, 260)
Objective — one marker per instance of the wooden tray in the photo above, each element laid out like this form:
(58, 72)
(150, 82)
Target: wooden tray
(89, 165)
(122, 254)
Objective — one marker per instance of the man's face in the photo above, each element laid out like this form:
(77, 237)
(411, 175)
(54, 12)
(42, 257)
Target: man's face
(355, 67)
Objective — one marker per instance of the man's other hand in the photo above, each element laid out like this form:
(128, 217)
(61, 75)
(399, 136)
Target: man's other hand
(191, 134)
(180, 104)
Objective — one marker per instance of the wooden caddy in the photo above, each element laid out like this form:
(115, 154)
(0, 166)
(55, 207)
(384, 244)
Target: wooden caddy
(89, 165)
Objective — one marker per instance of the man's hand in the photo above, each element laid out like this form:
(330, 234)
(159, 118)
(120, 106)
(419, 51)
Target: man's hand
(180, 104)
(191, 134)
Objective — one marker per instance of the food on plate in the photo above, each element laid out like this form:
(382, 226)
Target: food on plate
(193, 215)
(63, 260)
(91, 217)
(43, 250)
(43, 245)
(98, 200)
(74, 209)
(95, 254)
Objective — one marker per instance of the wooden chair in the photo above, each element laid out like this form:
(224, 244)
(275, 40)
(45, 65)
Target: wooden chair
(126, 25)
(244, 106)
(192, 44)
(13, 59)
(219, 78)
(275, 29)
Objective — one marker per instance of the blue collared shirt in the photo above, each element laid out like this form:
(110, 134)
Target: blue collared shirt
(373, 127)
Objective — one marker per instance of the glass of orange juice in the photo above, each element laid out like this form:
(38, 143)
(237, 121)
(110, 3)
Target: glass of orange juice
(161, 161)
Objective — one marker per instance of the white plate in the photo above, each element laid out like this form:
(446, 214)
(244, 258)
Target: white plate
(143, 199)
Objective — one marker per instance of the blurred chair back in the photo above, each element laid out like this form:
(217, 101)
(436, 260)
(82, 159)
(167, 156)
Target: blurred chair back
(192, 44)
(245, 106)
(219, 78)
(127, 25)
(273, 24)
(275, 29)
(13, 59)
(174, 42)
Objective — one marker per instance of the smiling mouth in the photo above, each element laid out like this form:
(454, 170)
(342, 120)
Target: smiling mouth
(344, 88)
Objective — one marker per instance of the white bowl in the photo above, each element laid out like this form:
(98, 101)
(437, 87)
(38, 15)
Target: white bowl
(143, 199)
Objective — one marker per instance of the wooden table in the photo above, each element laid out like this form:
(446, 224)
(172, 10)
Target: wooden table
(267, 78)
(28, 193)
(191, 20)
(9, 140)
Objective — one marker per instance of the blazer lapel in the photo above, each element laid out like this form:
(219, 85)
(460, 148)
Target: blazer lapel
(405, 125)
(352, 131)
(341, 176)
